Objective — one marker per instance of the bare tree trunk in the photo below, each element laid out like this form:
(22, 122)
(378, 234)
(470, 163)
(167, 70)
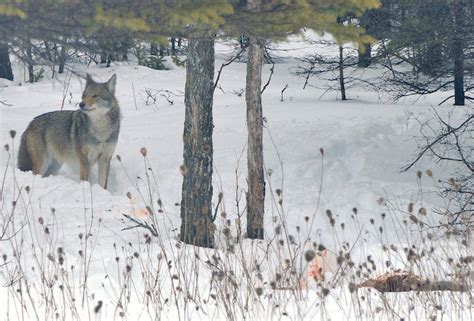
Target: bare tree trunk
(62, 59)
(365, 49)
(173, 46)
(29, 61)
(197, 225)
(153, 49)
(458, 54)
(5, 64)
(109, 60)
(124, 46)
(365, 55)
(253, 98)
(341, 73)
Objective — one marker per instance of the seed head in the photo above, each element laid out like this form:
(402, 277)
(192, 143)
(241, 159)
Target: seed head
(98, 307)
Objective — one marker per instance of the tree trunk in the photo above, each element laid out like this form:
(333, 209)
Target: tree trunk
(197, 225)
(341, 73)
(365, 55)
(458, 54)
(253, 98)
(173, 46)
(124, 46)
(153, 49)
(29, 61)
(5, 64)
(62, 59)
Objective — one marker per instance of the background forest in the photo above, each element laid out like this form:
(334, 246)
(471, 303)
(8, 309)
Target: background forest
(277, 160)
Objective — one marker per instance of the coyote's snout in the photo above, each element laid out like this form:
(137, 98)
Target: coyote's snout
(87, 135)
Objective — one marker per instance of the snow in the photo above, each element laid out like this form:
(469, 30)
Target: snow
(365, 142)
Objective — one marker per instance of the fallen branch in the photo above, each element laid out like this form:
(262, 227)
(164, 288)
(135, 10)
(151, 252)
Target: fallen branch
(286, 87)
(5, 104)
(404, 281)
(143, 224)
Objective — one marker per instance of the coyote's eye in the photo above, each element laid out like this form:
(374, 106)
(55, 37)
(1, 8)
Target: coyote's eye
(95, 96)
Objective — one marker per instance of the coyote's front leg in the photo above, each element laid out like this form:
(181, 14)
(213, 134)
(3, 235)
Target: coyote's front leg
(104, 167)
(84, 165)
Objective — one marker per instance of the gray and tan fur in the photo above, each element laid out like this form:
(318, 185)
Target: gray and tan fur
(87, 135)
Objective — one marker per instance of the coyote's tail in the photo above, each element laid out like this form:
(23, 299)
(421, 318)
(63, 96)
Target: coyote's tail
(24, 159)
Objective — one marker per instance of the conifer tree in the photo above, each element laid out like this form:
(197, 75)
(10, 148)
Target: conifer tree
(197, 226)
(272, 20)
(434, 38)
(5, 64)
(253, 97)
(93, 23)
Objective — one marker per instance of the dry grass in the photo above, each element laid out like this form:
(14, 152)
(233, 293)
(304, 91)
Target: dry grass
(158, 277)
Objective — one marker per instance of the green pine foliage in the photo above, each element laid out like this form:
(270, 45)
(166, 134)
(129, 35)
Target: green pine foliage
(153, 62)
(11, 10)
(279, 18)
(149, 19)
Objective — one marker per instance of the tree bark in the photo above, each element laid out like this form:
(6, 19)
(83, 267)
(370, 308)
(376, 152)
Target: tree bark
(341, 73)
(365, 55)
(109, 61)
(197, 225)
(62, 59)
(5, 64)
(458, 54)
(29, 58)
(253, 98)
(153, 49)
(173, 46)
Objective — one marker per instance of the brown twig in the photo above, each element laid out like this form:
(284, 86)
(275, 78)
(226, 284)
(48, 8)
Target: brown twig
(225, 64)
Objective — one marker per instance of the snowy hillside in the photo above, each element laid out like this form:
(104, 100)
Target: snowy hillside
(71, 244)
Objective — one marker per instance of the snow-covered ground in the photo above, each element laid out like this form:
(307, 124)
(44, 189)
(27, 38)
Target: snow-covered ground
(323, 153)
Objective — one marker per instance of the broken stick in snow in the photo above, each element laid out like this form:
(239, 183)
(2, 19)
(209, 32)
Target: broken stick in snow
(404, 281)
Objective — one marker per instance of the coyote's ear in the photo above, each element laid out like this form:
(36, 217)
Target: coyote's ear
(89, 79)
(112, 83)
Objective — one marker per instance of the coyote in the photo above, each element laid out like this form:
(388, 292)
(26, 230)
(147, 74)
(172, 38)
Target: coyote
(85, 136)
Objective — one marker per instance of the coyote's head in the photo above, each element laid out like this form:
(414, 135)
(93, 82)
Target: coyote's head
(98, 96)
